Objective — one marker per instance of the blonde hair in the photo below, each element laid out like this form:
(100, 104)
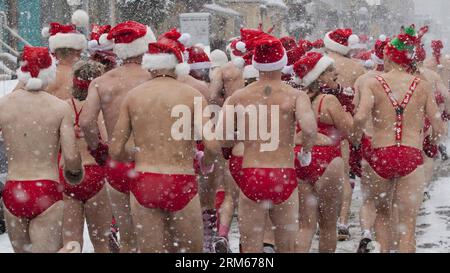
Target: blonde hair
(86, 71)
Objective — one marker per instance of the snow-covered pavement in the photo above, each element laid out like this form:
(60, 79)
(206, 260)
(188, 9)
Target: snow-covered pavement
(433, 226)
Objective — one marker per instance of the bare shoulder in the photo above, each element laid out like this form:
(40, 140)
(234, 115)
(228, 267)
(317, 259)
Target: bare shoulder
(58, 103)
(238, 94)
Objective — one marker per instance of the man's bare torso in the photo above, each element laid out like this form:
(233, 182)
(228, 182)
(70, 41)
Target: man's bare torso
(278, 94)
(150, 106)
(62, 87)
(114, 86)
(30, 123)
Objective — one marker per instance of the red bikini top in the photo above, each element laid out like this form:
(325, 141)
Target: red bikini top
(399, 107)
(323, 128)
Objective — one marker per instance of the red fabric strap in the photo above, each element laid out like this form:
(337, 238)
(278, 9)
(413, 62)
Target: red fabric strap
(399, 107)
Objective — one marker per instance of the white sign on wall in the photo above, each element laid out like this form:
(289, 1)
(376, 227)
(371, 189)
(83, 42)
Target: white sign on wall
(196, 24)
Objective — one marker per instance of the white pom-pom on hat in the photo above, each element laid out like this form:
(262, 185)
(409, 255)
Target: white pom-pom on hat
(382, 38)
(93, 44)
(353, 39)
(34, 84)
(45, 32)
(182, 69)
(288, 70)
(239, 62)
(241, 47)
(80, 18)
(185, 39)
(103, 40)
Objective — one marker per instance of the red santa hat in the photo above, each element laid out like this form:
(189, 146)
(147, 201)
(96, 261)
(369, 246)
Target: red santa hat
(378, 51)
(309, 68)
(232, 49)
(270, 54)
(37, 68)
(358, 42)
(166, 53)
(293, 55)
(249, 38)
(198, 59)
(67, 36)
(365, 58)
(339, 40)
(130, 39)
(250, 71)
(99, 39)
(288, 42)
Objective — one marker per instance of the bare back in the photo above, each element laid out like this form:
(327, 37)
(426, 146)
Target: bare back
(384, 114)
(31, 124)
(233, 79)
(225, 81)
(443, 70)
(62, 87)
(348, 70)
(112, 88)
(149, 107)
(270, 95)
(198, 85)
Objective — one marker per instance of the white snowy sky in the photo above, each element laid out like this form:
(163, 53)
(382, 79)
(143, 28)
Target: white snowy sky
(439, 9)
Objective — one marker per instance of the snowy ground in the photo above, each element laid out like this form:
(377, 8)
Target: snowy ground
(433, 226)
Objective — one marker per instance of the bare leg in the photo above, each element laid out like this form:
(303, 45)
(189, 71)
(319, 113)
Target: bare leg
(347, 189)
(309, 205)
(329, 191)
(18, 232)
(381, 191)
(207, 193)
(408, 199)
(229, 204)
(120, 205)
(187, 227)
(46, 230)
(149, 227)
(73, 221)
(285, 219)
(269, 235)
(428, 170)
(368, 210)
(98, 216)
(252, 218)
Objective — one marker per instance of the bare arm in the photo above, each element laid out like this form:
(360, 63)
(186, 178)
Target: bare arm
(364, 112)
(216, 87)
(102, 127)
(343, 120)
(73, 169)
(211, 143)
(89, 117)
(305, 116)
(433, 113)
(121, 135)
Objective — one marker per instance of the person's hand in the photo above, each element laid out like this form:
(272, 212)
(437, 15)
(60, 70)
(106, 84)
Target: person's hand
(101, 154)
(305, 158)
(71, 247)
